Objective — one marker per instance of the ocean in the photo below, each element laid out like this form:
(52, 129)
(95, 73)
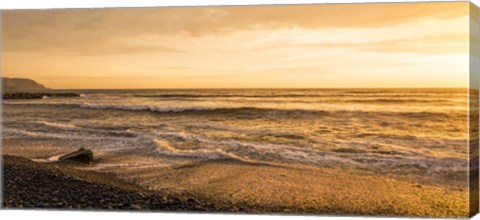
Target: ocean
(397, 132)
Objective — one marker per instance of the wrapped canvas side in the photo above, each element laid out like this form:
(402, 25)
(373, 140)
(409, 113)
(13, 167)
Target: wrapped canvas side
(473, 108)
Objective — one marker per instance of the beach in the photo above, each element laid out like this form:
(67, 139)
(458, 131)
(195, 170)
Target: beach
(390, 152)
(228, 186)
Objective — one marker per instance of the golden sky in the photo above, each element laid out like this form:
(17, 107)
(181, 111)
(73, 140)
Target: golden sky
(314, 46)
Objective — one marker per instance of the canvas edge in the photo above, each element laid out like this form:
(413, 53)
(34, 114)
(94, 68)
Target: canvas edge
(1, 109)
(473, 115)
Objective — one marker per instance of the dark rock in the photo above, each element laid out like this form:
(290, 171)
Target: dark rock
(81, 156)
(37, 95)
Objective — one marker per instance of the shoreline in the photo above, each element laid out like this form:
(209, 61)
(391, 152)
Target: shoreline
(226, 187)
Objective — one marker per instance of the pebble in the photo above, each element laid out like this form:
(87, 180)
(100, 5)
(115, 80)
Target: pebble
(26, 185)
(133, 206)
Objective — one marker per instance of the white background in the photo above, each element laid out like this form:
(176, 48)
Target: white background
(45, 4)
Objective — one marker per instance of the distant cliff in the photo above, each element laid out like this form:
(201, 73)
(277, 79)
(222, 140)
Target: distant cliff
(21, 85)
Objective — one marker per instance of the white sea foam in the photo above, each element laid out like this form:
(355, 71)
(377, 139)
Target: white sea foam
(59, 125)
(246, 151)
(166, 149)
(13, 132)
(144, 108)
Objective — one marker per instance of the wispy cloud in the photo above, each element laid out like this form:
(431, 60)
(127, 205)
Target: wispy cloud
(67, 29)
(438, 44)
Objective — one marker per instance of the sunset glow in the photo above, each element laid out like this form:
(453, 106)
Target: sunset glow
(310, 46)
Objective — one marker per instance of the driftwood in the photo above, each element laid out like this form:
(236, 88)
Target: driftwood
(82, 155)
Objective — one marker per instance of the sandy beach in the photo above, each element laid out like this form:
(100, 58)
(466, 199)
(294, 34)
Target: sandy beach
(228, 186)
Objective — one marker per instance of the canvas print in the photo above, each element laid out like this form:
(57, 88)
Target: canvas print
(315, 109)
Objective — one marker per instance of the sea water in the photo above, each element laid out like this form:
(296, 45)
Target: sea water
(390, 130)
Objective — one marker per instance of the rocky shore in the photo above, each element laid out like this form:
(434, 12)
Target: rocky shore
(37, 95)
(27, 184)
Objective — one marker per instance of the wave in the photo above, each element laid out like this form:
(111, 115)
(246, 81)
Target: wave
(254, 151)
(158, 109)
(66, 130)
(425, 97)
(395, 101)
(232, 96)
(59, 125)
(308, 99)
(257, 153)
(39, 134)
(277, 154)
(248, 112)
(165, 148)
(243, 151)
(432, 164)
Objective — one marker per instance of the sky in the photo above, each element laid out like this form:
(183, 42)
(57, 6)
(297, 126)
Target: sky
(376, 45)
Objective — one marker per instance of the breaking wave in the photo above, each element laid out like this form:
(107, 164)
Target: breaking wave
(245, 111)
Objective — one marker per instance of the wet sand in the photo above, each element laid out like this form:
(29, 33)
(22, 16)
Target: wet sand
(313, 190)
(230, 186)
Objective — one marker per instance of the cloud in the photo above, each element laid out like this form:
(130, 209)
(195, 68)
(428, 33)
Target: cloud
(106, 31)
(438, 44)
(260, 46)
